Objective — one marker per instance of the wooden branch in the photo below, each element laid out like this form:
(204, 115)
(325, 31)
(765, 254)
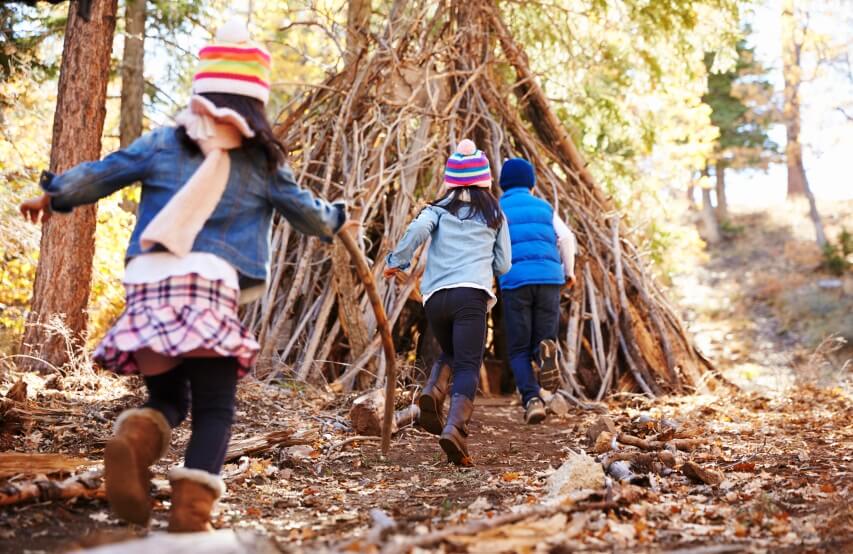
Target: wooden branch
(384, 330)
(249, 446)
(87, 485)
(404, 545)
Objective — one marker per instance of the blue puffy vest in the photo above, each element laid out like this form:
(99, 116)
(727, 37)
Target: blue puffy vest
(535, 257)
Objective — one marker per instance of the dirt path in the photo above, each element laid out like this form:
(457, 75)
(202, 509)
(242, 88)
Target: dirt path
(788, 467)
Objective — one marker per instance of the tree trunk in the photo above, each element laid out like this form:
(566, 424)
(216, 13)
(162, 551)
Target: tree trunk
(791, 48)
(722, 208)
(132, 72)
(132, 81)
(358, 26)
(68, 241)
(798, 184)
(710, 225)
(691, 200)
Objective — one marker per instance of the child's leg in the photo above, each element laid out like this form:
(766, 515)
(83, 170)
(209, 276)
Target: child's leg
(141, 438)
(214, 387)
(169, 394)
(468, 308)
(197, 485)
(441, 322)
(519, 320)
(546, 325)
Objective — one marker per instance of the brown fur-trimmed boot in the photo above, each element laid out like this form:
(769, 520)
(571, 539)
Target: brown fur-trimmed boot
(194, 493)
(454, 437)
(431, 401)
(141, 438)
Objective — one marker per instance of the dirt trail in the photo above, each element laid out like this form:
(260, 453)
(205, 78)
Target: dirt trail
(788, 468)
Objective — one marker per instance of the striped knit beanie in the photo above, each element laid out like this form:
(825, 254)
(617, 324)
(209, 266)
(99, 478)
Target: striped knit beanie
(467, 167)
(233, 64)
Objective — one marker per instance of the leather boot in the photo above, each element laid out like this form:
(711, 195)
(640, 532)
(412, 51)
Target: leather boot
(194, 493)
(141, 438)
(455, 434)
(431, 401)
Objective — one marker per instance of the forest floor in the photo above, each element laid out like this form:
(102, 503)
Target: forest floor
(783, 448)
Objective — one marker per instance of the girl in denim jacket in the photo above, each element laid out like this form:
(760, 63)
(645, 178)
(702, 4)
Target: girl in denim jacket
(470, 245)
(202, 239)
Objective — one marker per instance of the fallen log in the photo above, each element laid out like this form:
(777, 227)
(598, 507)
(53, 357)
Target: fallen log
(605, 443)
(24, 463)
(643, 444)
(249, 446)
(368, 412)
(87, 485)
(642, 459)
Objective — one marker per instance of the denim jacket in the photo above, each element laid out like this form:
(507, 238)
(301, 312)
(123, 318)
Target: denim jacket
(462, 251)
(240, 227)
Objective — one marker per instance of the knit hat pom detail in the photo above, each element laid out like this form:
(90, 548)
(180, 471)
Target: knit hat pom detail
(234, 64)
(466, 147)
(233, 31)
(467, 167)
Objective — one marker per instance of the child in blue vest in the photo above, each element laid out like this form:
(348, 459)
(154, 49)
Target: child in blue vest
(469, 246)
(543, 251)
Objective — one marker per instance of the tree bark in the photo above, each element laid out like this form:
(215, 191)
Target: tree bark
(711, 227)
(132, 72)
(791, 49)
(358, 26)
(722, 208)
(68, 241)
(798, 184)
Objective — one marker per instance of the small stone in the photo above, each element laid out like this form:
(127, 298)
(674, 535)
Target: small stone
(578, 472)
(603, 423)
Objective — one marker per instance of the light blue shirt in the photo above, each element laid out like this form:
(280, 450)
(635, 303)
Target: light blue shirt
(463, 252)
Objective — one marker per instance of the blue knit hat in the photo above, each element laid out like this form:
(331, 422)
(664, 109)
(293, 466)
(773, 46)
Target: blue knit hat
(517, 172)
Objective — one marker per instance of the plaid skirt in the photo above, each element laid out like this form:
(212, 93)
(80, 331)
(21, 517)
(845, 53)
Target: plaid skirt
(176, 316)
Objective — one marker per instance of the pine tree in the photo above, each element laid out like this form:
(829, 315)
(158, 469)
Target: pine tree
(67, 243)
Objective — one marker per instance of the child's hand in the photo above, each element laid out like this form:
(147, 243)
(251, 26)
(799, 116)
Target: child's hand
(34, 207)
(352, 226)
(391, 272)
(570, 282)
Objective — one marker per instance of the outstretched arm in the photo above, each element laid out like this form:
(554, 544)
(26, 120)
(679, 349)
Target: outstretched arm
(416, 234)
(88, 182)
(567, 244)
(306, 213)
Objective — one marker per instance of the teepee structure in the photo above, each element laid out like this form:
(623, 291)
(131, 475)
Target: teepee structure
(377, 135)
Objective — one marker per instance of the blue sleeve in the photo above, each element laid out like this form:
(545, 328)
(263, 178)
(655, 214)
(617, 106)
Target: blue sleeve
(88, 182)
(416, 234)
(502, 251)
(307, 214)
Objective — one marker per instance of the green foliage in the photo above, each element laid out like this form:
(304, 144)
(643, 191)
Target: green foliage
(627, 80)
(742, 109)
(836, 256)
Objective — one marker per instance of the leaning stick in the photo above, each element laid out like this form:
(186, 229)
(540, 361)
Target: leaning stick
(369, 283)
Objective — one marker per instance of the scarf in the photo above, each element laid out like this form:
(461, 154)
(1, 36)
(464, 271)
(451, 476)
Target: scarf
(216, 131)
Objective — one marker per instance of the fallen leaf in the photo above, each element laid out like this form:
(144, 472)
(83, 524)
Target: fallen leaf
(745, 467)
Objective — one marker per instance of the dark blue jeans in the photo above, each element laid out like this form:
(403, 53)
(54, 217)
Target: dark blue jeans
(210, 386)
(531, 315)
(458, 321)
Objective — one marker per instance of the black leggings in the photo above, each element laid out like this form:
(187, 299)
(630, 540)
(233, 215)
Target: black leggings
(210, 385)
(457, 318)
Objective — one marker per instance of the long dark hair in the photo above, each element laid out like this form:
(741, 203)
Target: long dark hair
(482, 204)
(252, 110)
